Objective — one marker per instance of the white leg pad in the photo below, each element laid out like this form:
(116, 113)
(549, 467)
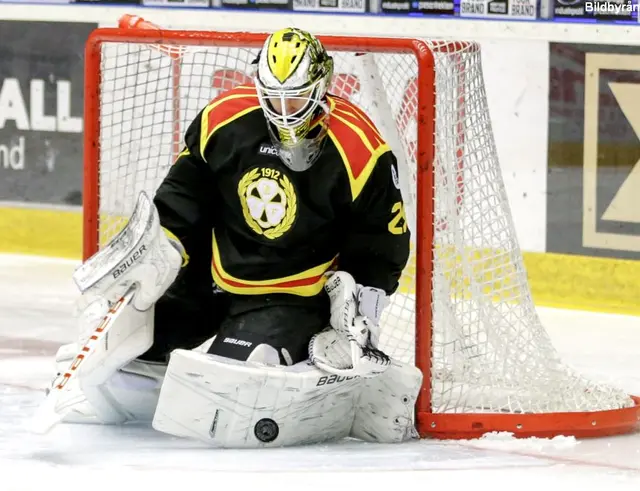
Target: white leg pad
(119, 286)
(82, 412)
(135, 389)
(232, 404)
(132, 391)
(386, 406)
(128, 338)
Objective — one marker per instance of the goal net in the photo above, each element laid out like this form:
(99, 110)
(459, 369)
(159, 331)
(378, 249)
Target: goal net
(463, 313)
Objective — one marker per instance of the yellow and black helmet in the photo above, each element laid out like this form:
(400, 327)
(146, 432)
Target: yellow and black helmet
(293, 77)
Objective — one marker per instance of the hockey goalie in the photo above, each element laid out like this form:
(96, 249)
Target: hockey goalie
(241, 305)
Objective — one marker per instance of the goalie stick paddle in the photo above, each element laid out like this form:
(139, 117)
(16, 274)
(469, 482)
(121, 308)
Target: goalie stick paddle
(60, 400)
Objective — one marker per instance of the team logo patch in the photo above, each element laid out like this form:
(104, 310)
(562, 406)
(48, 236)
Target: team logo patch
(269, 202)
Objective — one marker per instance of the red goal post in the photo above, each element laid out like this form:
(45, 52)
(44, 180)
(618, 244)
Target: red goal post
(449, 151)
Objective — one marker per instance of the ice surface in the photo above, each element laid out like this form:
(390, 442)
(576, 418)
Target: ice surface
(36, 298)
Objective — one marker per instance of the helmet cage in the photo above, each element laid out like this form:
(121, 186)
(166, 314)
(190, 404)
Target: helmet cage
(293, 127)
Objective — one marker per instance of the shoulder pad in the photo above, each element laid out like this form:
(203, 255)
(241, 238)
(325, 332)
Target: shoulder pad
(358, 141)
(224, 109)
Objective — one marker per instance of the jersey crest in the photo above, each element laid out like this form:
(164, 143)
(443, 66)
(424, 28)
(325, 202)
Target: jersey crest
(269, 202)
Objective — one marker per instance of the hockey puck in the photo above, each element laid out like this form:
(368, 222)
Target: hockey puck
(266, 430)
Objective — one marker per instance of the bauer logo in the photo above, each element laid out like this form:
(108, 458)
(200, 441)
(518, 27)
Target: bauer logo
(41, 109)
(238, 342)
(130, 261)
(334, 379)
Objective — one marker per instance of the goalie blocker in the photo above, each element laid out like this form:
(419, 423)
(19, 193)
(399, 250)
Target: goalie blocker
(346, 388)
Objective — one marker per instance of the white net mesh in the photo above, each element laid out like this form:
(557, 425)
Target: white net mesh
(490, 352)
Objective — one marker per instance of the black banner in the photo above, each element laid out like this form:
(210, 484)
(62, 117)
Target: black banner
(259, 4)
(177, 3)
(37, 1)
(41, 106)
(444, 7)
(108, 2)
(500, 7)
(597, 10)
(593, 179)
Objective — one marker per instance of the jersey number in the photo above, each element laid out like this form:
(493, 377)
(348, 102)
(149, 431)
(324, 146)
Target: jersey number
(398, 224)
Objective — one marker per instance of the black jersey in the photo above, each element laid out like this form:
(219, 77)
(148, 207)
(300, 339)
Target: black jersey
(276, 230)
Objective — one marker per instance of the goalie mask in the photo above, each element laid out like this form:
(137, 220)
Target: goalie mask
(293, 76)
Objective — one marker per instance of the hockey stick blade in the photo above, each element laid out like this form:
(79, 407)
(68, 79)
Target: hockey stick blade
(60, 400)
